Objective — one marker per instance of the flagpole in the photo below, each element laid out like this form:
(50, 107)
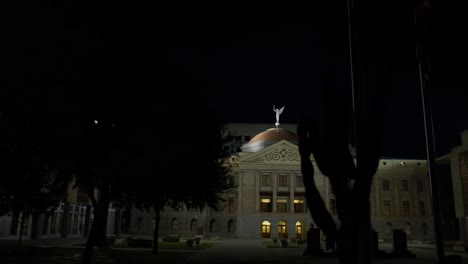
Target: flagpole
(421, 11)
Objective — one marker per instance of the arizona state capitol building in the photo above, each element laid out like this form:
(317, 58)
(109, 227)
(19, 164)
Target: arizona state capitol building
(269, 199)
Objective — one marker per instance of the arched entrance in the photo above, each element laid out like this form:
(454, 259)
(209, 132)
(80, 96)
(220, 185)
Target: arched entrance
(299, 230)
(266, 229)
(282, 229)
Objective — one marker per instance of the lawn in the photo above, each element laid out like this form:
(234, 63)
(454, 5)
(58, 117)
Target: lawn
(271, 244)
(43, 255)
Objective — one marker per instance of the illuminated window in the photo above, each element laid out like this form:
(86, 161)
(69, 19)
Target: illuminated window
(282, 229)
(282, 205)
(266, 229)
(265, 205)
(299, 230)
(299, 205)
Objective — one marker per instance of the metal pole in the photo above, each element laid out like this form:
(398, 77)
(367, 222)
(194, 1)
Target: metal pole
(421, 9)
(431, 167)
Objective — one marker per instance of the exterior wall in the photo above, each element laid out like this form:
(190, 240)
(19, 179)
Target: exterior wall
(243, 210)
(458, 161)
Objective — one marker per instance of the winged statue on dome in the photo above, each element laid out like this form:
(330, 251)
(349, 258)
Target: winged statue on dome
(278, 113)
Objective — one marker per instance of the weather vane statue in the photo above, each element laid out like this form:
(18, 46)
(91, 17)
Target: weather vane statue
(278, 113)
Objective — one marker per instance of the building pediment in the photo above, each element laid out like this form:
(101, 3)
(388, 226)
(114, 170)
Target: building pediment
(280, 152)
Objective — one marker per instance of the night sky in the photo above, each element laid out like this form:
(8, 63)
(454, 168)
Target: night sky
(257, 56)
(248, 57)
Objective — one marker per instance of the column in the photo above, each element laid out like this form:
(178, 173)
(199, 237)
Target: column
(377, 196)
(292, 187)
(257, 192)
(397, 196)
(239, 193)
(274, 178)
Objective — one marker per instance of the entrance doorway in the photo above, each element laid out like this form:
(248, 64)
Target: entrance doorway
(299, 230)
(282, 230)
(266, 229)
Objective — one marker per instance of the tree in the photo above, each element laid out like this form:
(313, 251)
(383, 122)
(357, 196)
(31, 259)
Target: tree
(31, 184)
(180, 156)
(328, 141)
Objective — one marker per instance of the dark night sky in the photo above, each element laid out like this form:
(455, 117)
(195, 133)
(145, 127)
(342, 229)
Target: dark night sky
(255, 56)
(249, 57)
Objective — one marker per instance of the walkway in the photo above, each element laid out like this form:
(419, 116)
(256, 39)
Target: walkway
(254, 251)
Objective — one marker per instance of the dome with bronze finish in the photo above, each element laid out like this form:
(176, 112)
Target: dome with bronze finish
(269, 137)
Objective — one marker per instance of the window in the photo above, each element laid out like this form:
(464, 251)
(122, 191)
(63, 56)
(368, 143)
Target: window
(420, 185)
(231, 205)
(282, 229)
(266, 229)
(139, 223)
(408, 229)
(422, 208)
(213, 226)
(14, 224)
(231, 226)
(299, 230)
(231, 181)
(266, 180)
(385, 185)
(283, 181)
(405, 208)
(265, 205)
(386, 208)
(282, 205)
(424, 229)
(299, 205)
(299, 181)
(404, 185)
(193, 226)
(332, 206)
(388, 229)
(174, 224)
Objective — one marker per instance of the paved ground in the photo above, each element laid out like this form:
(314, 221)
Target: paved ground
(255, 251)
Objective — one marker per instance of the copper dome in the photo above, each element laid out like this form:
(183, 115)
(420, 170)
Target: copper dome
(275, 134)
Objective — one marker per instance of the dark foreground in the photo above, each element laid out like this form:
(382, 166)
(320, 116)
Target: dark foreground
(213, 251)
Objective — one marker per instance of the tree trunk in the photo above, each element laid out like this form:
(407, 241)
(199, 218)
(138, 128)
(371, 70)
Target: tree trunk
(157, 218)
(23, 218)
(97, 236)
(34, 225)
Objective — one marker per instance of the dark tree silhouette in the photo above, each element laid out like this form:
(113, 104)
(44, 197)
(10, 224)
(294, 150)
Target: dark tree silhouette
(328, 141)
